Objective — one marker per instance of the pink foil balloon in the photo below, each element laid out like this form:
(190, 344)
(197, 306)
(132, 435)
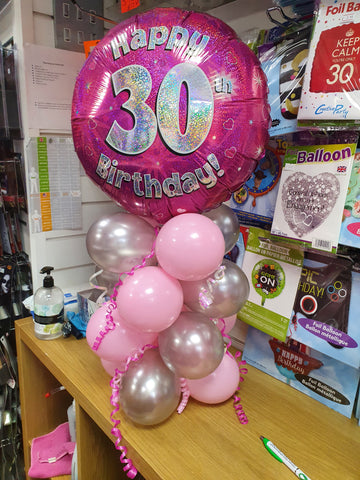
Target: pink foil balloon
(190, 247)
(170, 113)
(119, 341)
(219, 386)
(150, 300)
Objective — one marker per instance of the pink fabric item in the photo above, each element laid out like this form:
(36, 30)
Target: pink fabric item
(51, 454)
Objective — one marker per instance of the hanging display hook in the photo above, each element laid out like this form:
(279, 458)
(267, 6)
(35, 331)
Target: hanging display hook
(282, 13)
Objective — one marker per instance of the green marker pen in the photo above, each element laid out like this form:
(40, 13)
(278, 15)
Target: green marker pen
(276, 453)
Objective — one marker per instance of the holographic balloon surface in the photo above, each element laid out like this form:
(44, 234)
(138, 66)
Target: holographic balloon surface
(170, 113)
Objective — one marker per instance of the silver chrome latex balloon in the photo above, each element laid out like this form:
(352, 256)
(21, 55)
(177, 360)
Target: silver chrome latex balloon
(221, 294)
(192, 347)
(119, 242)
(149, 391)
(228, 223)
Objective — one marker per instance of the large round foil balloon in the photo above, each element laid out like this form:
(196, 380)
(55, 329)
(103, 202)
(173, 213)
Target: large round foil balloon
(170, 113)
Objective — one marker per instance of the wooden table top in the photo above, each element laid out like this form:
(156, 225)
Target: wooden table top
(207, 442)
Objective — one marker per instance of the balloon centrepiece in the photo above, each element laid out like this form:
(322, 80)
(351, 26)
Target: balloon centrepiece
(169, 117)
(190, 246)
(170, 113)
(221, 294)
(149, 391)
(227, 221)
(119, 242)
(192, 347)
(148, 310)
(150, 300)
(147, 318)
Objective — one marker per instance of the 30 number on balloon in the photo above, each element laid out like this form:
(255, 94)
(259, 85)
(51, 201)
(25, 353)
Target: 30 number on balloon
(200, 109)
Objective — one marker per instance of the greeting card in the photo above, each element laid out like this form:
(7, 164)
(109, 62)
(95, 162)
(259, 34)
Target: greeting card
(312, 192)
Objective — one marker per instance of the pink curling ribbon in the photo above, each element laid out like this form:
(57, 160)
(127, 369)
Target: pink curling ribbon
(128, 468)
(239, 410)
(185, 395)
(226, 336)
(115, 384)
(110, 324)
(243, 371)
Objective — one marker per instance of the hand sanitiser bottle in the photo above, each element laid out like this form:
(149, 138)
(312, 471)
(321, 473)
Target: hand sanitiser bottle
(48, 308)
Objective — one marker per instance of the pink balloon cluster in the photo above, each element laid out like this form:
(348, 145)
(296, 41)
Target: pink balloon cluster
(168, 307)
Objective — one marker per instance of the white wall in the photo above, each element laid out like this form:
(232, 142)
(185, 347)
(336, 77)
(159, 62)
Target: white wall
(31, 22)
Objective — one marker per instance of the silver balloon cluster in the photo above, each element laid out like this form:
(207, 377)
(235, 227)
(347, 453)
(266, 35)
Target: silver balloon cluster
(178, 319)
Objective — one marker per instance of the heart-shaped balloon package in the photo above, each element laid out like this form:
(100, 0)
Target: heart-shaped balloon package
(307, 200)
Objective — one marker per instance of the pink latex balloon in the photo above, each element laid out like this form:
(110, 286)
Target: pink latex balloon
(226, 324)
(110, 367)
(119, 341)
(219, 386)
(190, 246)
(170, 113)
(150, 300)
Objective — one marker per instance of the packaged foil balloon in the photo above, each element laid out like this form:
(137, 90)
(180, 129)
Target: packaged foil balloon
(170, 113)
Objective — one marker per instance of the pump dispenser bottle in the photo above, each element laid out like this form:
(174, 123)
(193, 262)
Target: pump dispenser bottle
(48, 308)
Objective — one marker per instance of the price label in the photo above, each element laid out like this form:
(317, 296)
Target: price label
(127, 5)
